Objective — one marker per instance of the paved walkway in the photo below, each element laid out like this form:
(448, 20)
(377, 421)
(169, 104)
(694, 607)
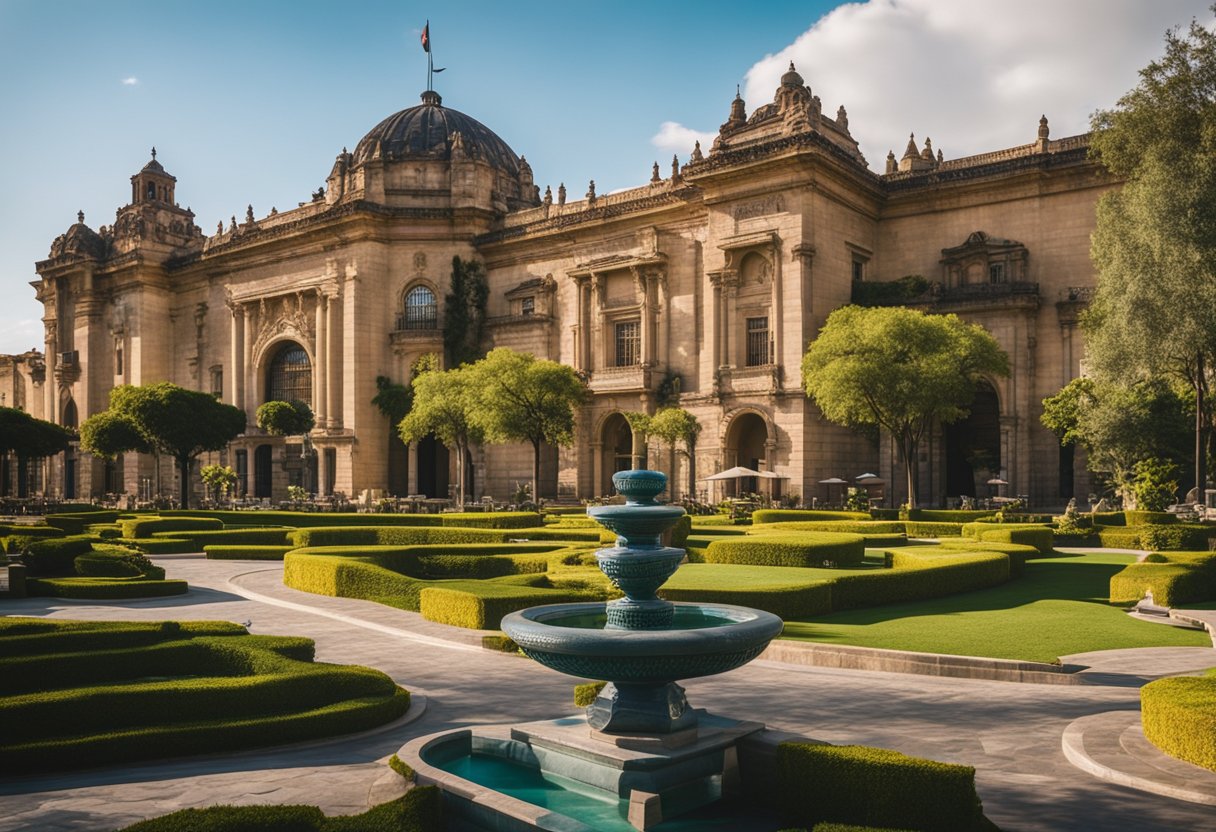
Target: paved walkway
(1010, 732)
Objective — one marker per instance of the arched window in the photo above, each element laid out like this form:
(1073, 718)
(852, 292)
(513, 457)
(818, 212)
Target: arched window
(68, 415)
(290, 376)
(421, 310)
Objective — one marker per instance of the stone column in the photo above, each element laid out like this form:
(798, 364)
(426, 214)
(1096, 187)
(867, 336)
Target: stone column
(580, 326)
(716, 325)
(320, 371)
(593, 321)
(236, 362)
(331, 366)
(247, 380)
(777, 356)
(597, 468)
(411, 468)
(49, 385)
(662, 320)
(643, 283)
(322, 472)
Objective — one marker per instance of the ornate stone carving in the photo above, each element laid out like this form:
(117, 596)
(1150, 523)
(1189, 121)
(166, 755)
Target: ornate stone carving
(758, 208)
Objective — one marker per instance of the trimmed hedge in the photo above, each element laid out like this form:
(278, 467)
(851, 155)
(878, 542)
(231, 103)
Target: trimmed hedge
(1175, 578)
(55, 556)
(261, 695)
(301, 519)
(103, 589)
(931, 515)
(232, 537)
(481, 606)
(875, 787)
(776, 549)
(1018, 553)
(109, 561)
(1040, 537)
(933, 528)
(405, 536)
(247, 552)
(161, 545)
(1179, 537)
(79, 523)
(786, 515)
(147, 526)
(918, 573)
(1131, 517)
(790, 595)
(863, 527)
(419, 810)
(1179, 717)
(21, 538)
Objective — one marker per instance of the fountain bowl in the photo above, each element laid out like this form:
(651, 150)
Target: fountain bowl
(702, 640)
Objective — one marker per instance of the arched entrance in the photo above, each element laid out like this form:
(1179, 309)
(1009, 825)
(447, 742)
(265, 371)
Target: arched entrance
(289, 375)
(973, 446)
(746, 445)
(263, 478)
(617, 449)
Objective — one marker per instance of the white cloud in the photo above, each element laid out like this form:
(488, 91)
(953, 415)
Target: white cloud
(130, 81)
(974, 75)
(21, 335)
(677, 138)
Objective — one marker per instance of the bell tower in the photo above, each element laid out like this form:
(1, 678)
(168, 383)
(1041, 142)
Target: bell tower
(152, 184)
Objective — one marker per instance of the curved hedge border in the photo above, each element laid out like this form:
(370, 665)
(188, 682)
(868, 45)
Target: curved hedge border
(481, 605)
(300, 519)
(1040, 537)
(875, 787)
(1179, 717)
(918, 573)
(104, 589)
(777, 549)
(1175, 578)
(247, 552)
(786, 515)
(260, 696)
(407, 536)
(146, 526)
(419, 810)
(789, 595)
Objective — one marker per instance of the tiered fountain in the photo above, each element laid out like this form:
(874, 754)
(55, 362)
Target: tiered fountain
(641, 746)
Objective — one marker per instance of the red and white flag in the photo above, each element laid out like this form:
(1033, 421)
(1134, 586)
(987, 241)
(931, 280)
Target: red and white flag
(426, 37)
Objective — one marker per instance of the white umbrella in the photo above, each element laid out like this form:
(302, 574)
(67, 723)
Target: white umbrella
(997, 481)
(867, 476)
(833, 481)
(870, 479)
(734, 473)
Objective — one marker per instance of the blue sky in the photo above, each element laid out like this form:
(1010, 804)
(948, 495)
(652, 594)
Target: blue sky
(249, 102)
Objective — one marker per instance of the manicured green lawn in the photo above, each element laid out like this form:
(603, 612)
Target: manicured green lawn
(1057, 608)
(737, 576)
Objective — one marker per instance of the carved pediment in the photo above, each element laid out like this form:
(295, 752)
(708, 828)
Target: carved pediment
(984, 259)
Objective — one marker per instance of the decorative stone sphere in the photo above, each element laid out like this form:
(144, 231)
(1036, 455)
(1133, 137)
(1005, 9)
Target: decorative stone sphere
(639, 487)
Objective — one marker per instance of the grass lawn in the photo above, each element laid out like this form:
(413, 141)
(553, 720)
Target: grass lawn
(737, 576)
(1058, 607)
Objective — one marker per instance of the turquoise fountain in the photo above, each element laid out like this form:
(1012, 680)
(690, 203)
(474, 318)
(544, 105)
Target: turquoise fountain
(641, 644)
(642, 757)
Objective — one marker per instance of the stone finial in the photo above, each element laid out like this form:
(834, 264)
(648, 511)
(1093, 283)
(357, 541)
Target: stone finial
(548, 195)
(675, 168)
(80, 216)
(842, 119)
(697, 155)
(738, 112)
(939, 156)
(654, 175)
(892, 165)
(249, 214)
(927, 153)
(591, 191)
(233, 226)
(561, 193)
(153, 152)
(219, 227)
(910, 150)
(1044, 131)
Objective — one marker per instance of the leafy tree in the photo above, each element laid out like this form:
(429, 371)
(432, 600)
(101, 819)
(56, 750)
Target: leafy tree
(1155, 484)
(675, 425)
(464, 312)
(166, 418)
(1154, 309)
(220, 479)
(393, 400)
(285, 418)
(899, 369)
(445, 407)
(29, 438)
(1120, 425)
(523, 399)
(639, 428)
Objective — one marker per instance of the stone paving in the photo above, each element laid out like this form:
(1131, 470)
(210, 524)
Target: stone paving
(1010, 732)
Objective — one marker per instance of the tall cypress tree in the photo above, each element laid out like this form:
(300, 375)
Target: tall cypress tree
(464, 313)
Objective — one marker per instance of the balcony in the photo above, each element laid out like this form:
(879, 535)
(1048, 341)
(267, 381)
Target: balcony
(742, 381)
(979, 296)
(411, 334)
(632, 379)
(67, 366)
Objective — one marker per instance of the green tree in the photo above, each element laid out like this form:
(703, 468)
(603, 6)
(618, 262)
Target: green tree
(464, 312)
(523, 399)
(1154, 246)
(900, 370)
(393, 400)
(166, 418)
(639, 428)
(675, 425)
(29, 438)
(1120, 425)
(280, 418)
(1155, 484)
(445, 407)
(220, 479)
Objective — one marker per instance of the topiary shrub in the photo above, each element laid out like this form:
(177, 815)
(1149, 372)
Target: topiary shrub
(919, 573)
(55, 556)
(776, 549)
(104, 589)
(106, 561)
(933, 515)
(783, 592)
(481, 606)
(932, 528)
(1148, 518)
(1177, 537)
(875, 787)
(141, 527)
(1040, 537)
(1175, 578)
(1179, 717)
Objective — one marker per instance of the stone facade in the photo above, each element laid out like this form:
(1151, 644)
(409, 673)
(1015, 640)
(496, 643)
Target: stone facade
(701, 288)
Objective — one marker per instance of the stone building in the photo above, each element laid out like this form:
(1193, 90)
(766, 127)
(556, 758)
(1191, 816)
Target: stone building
(701, 288)
(22, 381)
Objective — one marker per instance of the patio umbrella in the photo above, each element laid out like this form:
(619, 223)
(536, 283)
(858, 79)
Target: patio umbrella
(866, 477)
(997, 481)
(734, 473)
(833, 481)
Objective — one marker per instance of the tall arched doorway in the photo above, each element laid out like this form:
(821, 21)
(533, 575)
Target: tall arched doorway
(617, 449)
(746, 445)
(433, 461)
(263, 477)
(289, 375)
(973, 446)
(69, 419)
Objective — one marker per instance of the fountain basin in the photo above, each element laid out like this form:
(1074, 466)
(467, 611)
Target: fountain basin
(702, 640)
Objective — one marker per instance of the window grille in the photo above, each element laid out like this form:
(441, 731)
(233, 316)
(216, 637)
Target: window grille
(527, 306)
(421, 310)
(757, 341)
(628, 343)
(290, 376)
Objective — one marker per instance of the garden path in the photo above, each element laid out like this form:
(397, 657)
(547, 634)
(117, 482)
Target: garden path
(1010, 732)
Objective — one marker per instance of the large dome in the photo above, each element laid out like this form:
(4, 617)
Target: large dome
(425, 132)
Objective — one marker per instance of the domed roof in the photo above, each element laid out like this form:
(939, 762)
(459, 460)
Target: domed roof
(425, 131)
(791, 78)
